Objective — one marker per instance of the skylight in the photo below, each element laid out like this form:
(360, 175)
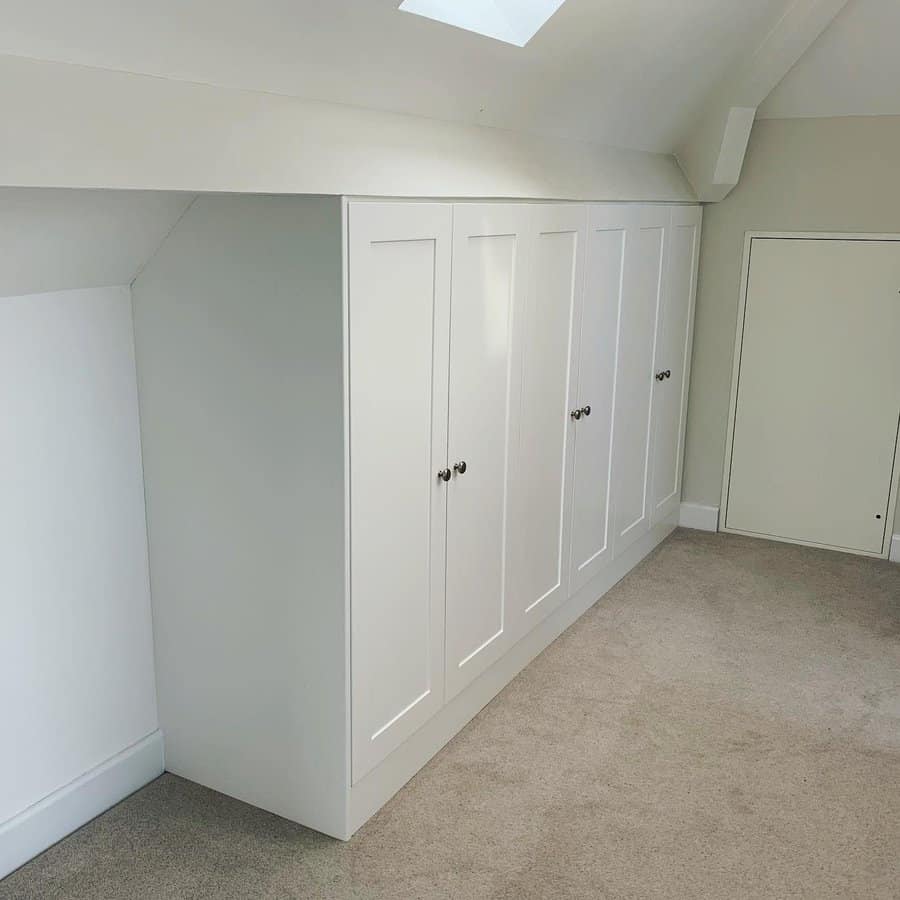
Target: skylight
(513, 21)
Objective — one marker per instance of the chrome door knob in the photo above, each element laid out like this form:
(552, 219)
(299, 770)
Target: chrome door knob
(660, 376)
(575, 414)
(586, 410)
(668, 373)
(460, 467)
(445, 474)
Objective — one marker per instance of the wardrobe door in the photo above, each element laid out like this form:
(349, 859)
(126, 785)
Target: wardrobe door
(597, 340)
(673, 359)
(398, 324)
(644, 256)
(544, 431)
(488, 279)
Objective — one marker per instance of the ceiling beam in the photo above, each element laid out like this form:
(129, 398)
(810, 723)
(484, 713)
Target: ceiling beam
(711, 154)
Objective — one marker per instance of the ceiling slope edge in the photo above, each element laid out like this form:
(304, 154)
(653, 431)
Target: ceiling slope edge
(711, 153)
(74, 126)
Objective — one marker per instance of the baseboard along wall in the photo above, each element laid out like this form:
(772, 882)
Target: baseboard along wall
(65, 810)
(706, 518)
(699, 517)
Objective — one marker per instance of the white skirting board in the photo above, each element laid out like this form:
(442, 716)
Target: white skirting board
(701, 518)
(895, 549)
(49, 820)
(376, 788)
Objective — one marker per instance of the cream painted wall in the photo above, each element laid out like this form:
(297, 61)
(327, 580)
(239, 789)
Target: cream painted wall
(800, 175)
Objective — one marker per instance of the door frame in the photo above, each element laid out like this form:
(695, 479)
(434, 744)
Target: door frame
(749, 237)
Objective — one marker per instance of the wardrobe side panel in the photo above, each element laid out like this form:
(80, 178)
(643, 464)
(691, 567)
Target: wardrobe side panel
(239, 336)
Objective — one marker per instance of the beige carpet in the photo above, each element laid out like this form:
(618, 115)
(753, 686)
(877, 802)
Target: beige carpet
(724, 724)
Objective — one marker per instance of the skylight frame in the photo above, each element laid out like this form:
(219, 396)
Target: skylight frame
(513, 22)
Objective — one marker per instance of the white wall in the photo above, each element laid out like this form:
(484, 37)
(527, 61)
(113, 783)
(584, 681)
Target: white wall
(55, 240)
(76, 656)
(800, 175)
(70, 126)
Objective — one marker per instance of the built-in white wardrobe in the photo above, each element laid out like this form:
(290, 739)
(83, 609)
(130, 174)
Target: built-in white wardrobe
(392, 450)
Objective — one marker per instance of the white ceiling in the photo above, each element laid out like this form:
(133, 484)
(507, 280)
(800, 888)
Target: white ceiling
(630, 73)
(853, 69)
(55, 240)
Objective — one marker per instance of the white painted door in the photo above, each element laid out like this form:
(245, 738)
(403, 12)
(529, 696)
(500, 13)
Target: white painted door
(818, 394)
(673, 359)
(489, 260)
(596, 340)
(644, 257)
(542, 427)
(399, 310)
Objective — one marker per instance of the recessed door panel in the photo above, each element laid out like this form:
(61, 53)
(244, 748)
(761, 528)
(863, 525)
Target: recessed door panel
(487, 278)
(399, 281)
(543, 427)
(818, 394)
(597, 340)
(634, 390)
(673, 360)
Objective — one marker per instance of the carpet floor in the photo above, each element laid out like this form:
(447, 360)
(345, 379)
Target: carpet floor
(724, 724)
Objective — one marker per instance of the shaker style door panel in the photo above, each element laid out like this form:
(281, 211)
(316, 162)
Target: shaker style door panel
(399, 305)
(597, 341)
(488, 278)
(632, 458)
(541, 477)
(673, 347)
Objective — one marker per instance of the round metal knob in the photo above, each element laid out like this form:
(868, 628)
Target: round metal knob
(660, 376)
(586, 410)
(575, 414)
(460, 467)
(445, 474)
(668, 373)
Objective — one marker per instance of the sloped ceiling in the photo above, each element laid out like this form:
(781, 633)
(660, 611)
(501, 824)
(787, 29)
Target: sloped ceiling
(853, 69)
(627, 73)
(54, 240)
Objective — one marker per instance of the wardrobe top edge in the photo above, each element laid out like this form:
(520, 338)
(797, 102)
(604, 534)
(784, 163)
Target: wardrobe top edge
(523, 200)
(354, 198)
